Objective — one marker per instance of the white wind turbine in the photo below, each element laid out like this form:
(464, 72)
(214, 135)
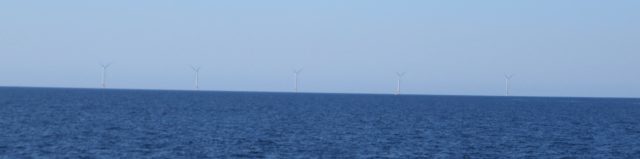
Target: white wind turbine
(296, 73)
(104, 74)
(196, 69)
(507, 80)
(400, 75)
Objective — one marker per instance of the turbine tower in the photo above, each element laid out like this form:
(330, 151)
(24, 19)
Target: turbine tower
(507, 80)
(196, 69)
(400, 75)
(296, 73)
(104, 74)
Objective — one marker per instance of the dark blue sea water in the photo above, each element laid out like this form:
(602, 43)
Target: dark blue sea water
(84, 123)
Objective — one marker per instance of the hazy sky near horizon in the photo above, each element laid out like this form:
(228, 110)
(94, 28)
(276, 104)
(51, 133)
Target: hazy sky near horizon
(462, 47)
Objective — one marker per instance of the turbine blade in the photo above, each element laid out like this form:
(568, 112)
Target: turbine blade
(195, 68)
(106, 65)
(508, 76)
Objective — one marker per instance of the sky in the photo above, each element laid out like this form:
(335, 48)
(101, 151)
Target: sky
(583, 48)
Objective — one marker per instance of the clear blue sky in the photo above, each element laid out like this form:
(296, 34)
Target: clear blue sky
(555, 47)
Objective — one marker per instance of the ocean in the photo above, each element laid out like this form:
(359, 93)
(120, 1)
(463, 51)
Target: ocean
(93, 123)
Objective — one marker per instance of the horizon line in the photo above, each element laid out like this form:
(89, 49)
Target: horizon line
(311, 92)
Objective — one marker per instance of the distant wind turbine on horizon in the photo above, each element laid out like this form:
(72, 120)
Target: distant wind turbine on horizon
(196, 69)
(398, 88)
(295, 84)
(104, 74)
(507, 79)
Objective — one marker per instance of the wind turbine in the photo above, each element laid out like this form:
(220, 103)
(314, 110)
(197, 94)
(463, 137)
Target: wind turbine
(104, 74)
(400, 75)
(507, 80)
(196, 69)
(296, 73)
